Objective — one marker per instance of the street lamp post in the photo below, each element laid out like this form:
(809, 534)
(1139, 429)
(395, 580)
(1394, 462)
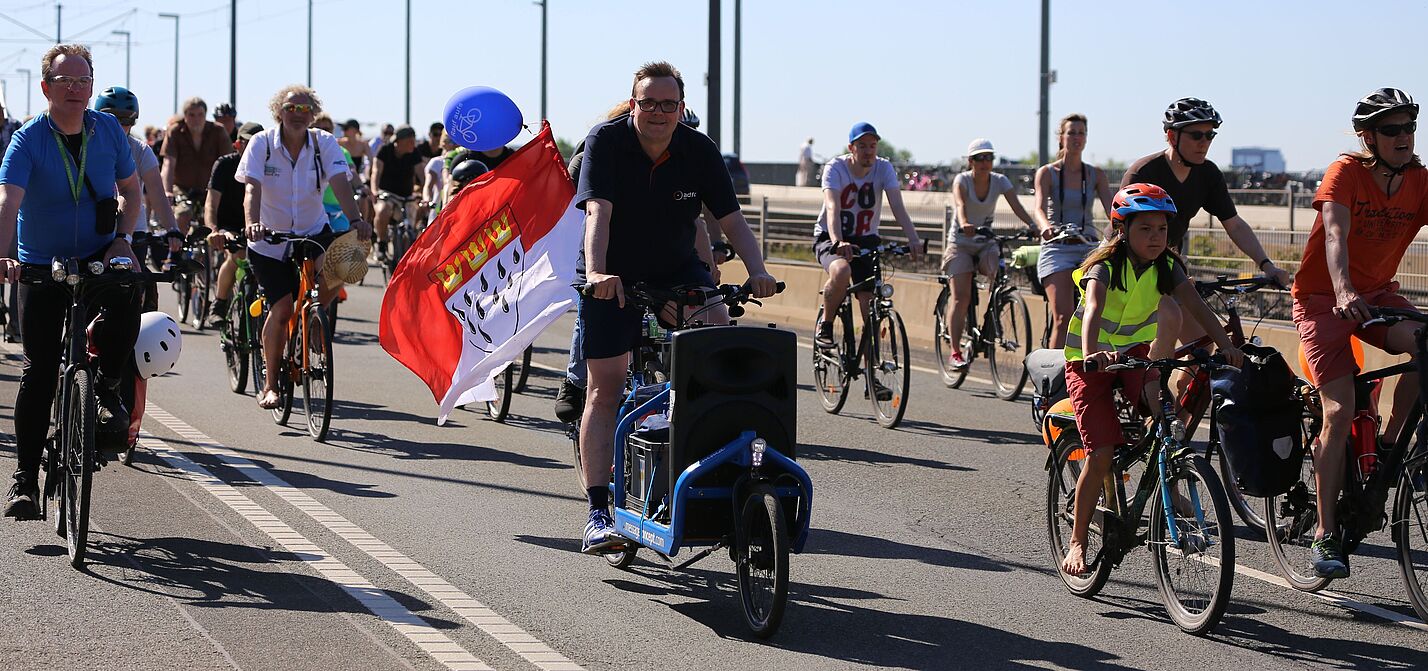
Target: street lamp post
(125, 33)
(26, 72)
(175, 17)
(542, 4)
(407, 109)
(309, 43)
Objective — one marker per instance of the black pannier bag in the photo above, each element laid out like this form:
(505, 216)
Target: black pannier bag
(1260, 418)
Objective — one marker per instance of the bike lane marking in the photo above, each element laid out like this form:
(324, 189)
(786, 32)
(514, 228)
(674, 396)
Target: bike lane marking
(426, 637)
(476, 613)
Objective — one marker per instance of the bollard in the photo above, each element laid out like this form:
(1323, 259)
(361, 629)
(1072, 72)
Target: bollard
(764, 226)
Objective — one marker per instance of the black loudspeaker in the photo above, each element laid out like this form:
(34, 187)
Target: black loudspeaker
(726, 380)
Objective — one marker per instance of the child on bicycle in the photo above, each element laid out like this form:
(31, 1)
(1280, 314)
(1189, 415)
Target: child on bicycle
(1121, 284)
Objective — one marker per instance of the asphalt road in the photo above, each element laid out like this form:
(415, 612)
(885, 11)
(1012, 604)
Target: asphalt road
(399, 544)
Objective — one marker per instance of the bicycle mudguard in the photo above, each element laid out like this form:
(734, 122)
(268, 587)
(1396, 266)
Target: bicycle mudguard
(1059, 418)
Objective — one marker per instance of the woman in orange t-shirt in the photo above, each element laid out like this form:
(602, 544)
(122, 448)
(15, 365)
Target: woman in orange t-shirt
(1371, 205)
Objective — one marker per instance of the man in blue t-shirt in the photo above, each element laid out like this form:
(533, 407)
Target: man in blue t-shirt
(643, 179)
(58, 184)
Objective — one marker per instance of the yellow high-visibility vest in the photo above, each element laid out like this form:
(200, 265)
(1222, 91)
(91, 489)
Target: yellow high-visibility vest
(1128, 317)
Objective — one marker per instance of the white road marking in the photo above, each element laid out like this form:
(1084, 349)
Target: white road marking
(478, 614)
(426, 637)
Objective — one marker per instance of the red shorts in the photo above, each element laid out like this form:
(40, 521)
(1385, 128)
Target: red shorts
(1093, 398)
(1326, 336)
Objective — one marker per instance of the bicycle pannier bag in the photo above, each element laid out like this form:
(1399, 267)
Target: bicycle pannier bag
(1260, 422)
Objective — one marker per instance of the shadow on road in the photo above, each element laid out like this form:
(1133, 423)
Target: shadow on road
(841, 543)
(873, 457)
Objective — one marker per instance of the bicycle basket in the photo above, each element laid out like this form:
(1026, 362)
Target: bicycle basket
(1260, 422)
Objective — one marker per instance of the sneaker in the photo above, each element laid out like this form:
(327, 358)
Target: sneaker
(569, 402)
(113, 415)
(824, 339)
(22, 502)
(1328, 558)
(600, 536)
(956, 361)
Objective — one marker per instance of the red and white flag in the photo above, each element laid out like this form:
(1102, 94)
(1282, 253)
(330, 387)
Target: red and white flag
(472, 294)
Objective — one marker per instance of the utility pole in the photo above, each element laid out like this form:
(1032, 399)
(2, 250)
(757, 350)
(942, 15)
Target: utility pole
(233, 53)
(543, 4)
(125, 33)
(407, 114)
(712, 79)
(1046, 77)
(738, 69)
(59, 22)
(309, 43)
(26, 72)
(175, 17)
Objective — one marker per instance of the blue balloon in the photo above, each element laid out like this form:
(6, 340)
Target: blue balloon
(481, 118)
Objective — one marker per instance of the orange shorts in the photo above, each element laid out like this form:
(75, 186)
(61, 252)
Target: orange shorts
(1326, 336)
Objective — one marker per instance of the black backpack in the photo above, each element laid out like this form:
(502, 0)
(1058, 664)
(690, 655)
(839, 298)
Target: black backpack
(1260, 420)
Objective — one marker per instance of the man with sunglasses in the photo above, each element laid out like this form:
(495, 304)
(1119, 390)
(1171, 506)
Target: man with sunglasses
(642, 180)
(190, 147)
(58, 184)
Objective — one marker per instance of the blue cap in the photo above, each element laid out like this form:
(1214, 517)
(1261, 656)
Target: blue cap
(860, 129)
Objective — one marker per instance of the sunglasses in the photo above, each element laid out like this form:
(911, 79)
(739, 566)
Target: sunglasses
(666, 106)
(1198, 135)
(299, 108)
(982, 157)
(72, 82)
(1397, 129)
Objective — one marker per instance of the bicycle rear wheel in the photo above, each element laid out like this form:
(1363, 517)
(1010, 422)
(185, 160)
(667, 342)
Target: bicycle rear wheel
(1009, 346)
(1410, 530)
(235, 350)
(942, 341)
(79, 458)
(888, 369)
(830, 372)
(252, 338)
(183, 290)
(523, 370)
(761, 557)
(1060, 516)
(1247, 508)
(284, 381)
(1290, 522)
(500, 407)
(317, 374)
(1194, 565)
(202, 285)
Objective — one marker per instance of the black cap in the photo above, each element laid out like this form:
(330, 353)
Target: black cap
(404, 132)
(248, 130)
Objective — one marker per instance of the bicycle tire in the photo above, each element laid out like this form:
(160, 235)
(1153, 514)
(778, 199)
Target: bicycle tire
(830, 374)
(1410, 524)
(183, 289)
(523, 370)
(500, 407)
(1060, 501)
(941, 341)
(284, 411)
(574, 436)
(317, 376)
(1247, 508)
(235, 351)
(79, 462)
(1290, 522)
(253, 341)
(203, 283)
(888, 366)
(1009, 345)
(761, 556)
(332, 320)
(1194, 612)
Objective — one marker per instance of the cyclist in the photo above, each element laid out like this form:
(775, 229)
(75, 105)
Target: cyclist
(190, 147)
(395, 173)
(225, 213)
(285, 169)
(226, 116)
(1057, 211)
(641, 183)
(854, 185)
(974, 195)
(1121, 285)
(431, 146)
(58, 184)
(1371, 205)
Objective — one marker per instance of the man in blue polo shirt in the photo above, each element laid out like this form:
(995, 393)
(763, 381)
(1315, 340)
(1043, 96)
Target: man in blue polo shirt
(58, 183)
(643, 179)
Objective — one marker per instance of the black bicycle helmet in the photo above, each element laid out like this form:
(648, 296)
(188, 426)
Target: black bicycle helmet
(689, 118)
(1189, 111)
(468, 170)
(225, 109)
(1381, 103)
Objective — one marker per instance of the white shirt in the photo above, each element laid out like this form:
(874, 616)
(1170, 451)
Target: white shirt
(292, 189)
(805, 155)
(860, 199)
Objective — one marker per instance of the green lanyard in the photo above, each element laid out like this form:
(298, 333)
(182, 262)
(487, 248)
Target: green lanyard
(74, 186)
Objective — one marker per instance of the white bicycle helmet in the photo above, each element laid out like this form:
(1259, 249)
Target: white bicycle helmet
(157, 349)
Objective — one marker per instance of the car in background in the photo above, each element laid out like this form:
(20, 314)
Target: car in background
(738, 173)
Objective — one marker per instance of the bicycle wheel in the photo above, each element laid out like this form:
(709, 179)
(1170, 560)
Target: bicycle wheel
(523, 370)
(284, 382)
(199, 296)
(761, 556)
(1290, 522)
(235, 350)
(183, 290)
(79, 461)
(252, 338)
(830, 374)
(1009, 346)
(942, 341)
(888, 369)
(317, 375)
(401, 242)
(1410, 530)
(1247, 507)
(1194, 565)
(1060, 515)
(500, 407)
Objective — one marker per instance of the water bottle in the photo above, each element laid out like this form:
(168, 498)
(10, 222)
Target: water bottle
(1363, 436)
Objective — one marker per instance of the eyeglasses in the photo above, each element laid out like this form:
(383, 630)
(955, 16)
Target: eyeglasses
(1397, 129)
(1198, 135)
(982, 157)
(299, 108)
(666, 106)
(72, 82)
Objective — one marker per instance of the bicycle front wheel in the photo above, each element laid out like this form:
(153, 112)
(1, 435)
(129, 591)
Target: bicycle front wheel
(79, 463)
(761, 556)
(500, 407)
(1193, 544)
(889, 372)
(183, 289)
(235, 346)
(942, 341)
(1060, 518)
(830, 372)
(202, 286)
(1009, 346)
(1410, 530)
(1290, 522)
(317, 374)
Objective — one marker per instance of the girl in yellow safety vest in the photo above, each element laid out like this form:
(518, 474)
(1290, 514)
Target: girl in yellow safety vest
(1121, 284)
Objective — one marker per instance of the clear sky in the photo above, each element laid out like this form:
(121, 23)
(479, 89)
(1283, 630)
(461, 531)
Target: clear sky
(930, 74)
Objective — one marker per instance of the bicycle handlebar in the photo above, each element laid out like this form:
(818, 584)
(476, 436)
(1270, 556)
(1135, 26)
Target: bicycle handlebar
(1224, 285)
(1198, 359)
(653, 297)
(120, 269)
(1391, 316)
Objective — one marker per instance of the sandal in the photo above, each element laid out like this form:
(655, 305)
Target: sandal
(269, 400)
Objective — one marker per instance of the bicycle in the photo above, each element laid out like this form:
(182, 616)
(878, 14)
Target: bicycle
(1003, 335)
(70, 456)
(241, 335)
(1370, 472)
(401, 232)
(1177, 483)
(880, 354)
(308, 360)
(194, 280)
(511, 380)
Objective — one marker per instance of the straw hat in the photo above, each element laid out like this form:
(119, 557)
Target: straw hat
(347, 258)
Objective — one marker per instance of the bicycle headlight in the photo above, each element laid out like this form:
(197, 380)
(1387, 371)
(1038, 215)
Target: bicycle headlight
(758, 445)
(885, 290)
(96, 267)
(57, 270)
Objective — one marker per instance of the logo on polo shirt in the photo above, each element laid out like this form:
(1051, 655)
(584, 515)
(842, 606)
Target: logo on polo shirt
(685, 195)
